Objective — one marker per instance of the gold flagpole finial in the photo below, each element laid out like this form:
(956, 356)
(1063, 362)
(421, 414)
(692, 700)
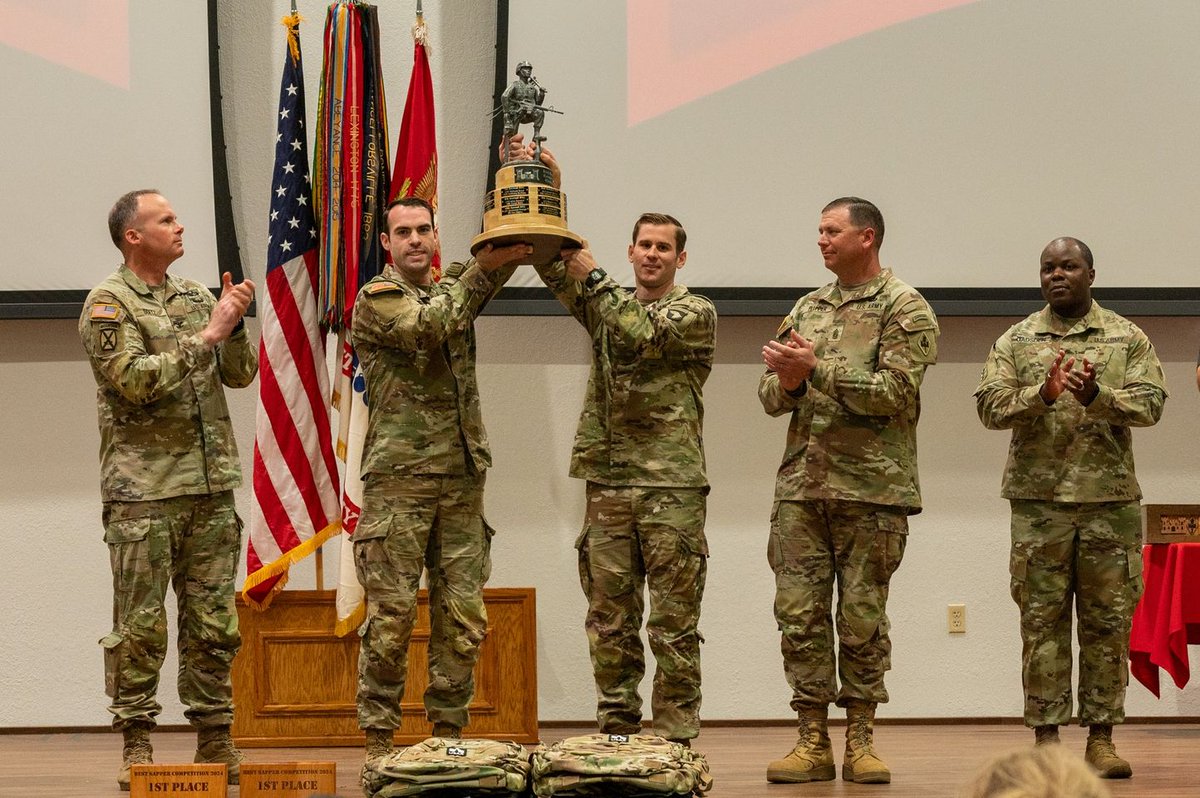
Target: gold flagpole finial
(419, 32)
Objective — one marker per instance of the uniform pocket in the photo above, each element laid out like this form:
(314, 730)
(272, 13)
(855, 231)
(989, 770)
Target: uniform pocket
(372, 527)
(129, 530)
(112, 643)
(489, 532)
(1018, 568)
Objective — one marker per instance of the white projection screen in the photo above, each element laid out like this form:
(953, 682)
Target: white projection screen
(982, 129)
(100, 97)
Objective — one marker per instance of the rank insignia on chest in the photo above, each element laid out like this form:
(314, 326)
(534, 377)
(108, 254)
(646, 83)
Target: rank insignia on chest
(836, 333)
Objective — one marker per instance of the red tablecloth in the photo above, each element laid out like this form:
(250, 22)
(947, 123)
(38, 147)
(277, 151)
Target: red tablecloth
(1168, 616)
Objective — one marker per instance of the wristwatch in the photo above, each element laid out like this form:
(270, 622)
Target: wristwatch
(594, 277)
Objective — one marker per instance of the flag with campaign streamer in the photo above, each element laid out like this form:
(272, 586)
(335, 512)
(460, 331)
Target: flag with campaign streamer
(415, 174)
(351, 160)
(295, 472)
(351, 184)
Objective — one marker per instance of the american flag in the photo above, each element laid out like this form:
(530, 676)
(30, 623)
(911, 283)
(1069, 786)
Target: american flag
(296, 493)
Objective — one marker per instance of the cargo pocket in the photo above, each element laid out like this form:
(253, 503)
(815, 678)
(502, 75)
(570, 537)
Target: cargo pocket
(370, 555)
(112, 643)
(489, 532)
(1134, 570)
(1018, 567)
(585, 574)
(134, 554)
(892, 540)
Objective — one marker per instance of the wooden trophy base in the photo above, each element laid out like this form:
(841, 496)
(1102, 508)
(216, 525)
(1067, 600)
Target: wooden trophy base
(526, 208)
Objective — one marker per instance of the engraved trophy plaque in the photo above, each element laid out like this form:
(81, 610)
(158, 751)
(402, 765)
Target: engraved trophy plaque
(525, 207)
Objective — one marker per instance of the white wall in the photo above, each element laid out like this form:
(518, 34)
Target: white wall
(532, 373)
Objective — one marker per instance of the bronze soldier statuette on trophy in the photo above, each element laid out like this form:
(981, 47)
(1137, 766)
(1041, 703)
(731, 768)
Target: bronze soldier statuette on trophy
(525, 207)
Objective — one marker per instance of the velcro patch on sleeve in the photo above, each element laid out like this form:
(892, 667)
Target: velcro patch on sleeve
(103, 311)
(380, 287)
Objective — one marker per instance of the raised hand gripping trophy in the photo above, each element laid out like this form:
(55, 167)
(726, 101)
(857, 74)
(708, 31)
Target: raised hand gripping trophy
(525, 207)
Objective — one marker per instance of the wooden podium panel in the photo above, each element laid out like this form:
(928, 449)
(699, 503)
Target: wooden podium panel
(294, 682)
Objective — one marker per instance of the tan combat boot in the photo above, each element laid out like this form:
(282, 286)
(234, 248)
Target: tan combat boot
(379, 743)
(812, 758)
(861, 764)
(137, 751)
(1102, 754)
(447, 730)
(1045, 735)
(215, 745)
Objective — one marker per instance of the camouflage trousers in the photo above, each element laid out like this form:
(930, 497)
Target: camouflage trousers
(812, 545)
(1090, 555)
(634, 537)
(191, 543)
(409, 524)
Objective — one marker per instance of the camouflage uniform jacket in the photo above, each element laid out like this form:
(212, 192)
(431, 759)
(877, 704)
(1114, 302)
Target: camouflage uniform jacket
(643, 414)
(417, 348)
(164, 425)
(853, 431)
(1066, 452)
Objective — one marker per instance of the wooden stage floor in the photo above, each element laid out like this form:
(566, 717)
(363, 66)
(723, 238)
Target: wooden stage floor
(926, 760)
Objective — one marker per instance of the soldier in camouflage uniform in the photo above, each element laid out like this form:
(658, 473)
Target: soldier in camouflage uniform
(424, 461)
(161, 347)
(846, 365)
(639, 445)
(1069, 381)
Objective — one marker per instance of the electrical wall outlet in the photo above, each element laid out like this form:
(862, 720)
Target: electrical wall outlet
(956, 619)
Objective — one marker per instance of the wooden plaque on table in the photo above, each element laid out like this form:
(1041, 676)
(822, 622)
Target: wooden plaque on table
(1171, 523)
(294, 681)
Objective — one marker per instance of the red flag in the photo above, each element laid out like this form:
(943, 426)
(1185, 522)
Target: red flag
(295, 472)
(415, 170)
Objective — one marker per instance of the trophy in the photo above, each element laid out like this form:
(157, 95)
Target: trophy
(525, 207)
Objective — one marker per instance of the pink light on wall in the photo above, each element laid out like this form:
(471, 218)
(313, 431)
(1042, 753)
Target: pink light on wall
(88, 36)
(681, 51)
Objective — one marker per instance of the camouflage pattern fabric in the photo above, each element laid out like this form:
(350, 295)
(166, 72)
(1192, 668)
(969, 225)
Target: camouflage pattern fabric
(632, 537)
(164, 425)
(853, 432)
(1064, 451)
(812, 545)
(450, 767)
(643, 412)
(410, 523)
(847, 481)
(1089, 555)
(417, 347)
(611, 766)
(639, 443)
(191, 543)
(1076, 523)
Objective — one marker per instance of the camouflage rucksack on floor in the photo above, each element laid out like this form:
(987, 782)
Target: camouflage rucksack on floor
(448, 767)
(612, 765)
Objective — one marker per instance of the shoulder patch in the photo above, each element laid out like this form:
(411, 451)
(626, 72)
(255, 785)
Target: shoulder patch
(103, 311)
(380, 287)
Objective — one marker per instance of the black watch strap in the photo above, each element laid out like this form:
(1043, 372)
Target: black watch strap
(594, 277)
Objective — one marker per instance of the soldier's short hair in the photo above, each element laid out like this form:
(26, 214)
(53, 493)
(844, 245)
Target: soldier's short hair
(1084, 249)
(863, 213)
(407, 202)
(122, 215)
(662, 218)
